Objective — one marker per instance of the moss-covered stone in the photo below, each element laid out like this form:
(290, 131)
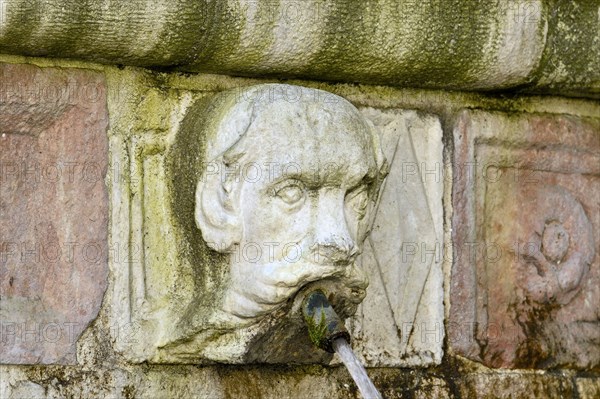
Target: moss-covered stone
(485, 45)
(571, 60)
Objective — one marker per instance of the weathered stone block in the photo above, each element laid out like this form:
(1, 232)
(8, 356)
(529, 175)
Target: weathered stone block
(53, 210)
(588, 388)
(551, 45)
(160, 291)
(514, 385)
(525, 288)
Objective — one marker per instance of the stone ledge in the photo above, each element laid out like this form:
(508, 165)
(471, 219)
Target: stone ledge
(455, 378)
(544, 46)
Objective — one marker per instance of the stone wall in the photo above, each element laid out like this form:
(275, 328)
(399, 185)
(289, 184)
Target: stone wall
(520, 260)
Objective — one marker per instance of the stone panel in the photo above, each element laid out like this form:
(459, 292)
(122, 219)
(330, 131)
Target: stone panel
(53, 210)
(399, 323)
(525, 288)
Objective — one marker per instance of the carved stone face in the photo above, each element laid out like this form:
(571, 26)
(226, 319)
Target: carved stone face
(300, 184)
(316, 195)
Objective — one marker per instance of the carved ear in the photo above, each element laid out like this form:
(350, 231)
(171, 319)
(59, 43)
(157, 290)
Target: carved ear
(216, 212)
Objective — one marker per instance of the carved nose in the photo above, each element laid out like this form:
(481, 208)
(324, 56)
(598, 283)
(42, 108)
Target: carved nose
(333, 242)
(337, 250)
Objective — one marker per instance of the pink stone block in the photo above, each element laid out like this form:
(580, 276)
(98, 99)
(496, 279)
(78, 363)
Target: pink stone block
(53, 210)
(525, 286)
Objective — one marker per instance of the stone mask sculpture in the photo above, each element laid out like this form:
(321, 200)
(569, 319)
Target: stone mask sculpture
(289, 184)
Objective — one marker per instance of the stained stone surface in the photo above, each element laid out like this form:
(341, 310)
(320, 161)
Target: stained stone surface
(588, 388)
(515, 385)
(193, 294)
(546, 45)
(525, 288)
(53, 210)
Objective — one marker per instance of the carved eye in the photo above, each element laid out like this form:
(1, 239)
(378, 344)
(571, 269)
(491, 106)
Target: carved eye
(291, 193)
(358, 200)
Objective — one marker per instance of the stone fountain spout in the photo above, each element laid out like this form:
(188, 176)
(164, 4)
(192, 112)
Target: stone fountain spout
(327, 331)
(324, 325)
(272, 192)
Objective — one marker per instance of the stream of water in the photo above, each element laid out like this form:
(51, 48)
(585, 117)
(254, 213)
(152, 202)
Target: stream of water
(356, 369)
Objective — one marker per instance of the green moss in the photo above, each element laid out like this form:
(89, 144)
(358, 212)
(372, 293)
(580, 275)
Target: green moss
(317, 331)
(153, 112)
(570, 60)
(183, 169)
(430, 43)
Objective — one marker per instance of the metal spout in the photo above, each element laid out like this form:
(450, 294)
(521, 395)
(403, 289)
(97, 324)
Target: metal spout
(324, 325)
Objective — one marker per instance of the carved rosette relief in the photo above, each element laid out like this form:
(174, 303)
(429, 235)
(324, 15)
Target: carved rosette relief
(525, 286)
(557, 245)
